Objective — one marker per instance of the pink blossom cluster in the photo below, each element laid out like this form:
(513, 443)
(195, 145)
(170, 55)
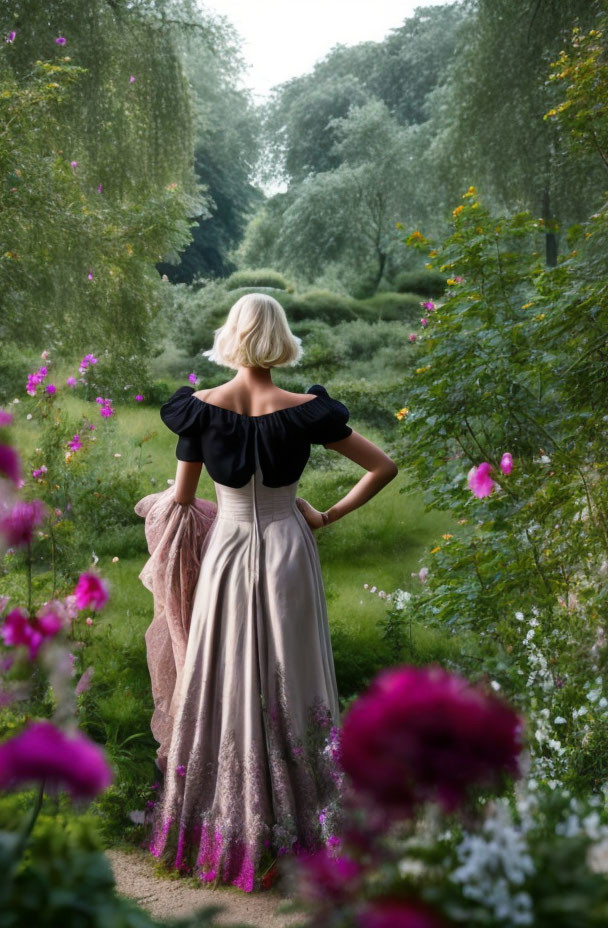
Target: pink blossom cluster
(36, 378)
(479, 481)
(21, 629)
(106, 406)
(18, 522)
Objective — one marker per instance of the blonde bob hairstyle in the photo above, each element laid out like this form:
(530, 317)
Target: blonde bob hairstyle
(256, 333)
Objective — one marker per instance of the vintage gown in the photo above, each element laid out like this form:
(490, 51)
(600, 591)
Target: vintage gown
(239, 651)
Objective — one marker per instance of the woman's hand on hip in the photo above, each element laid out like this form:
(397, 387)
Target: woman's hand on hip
(313, 516)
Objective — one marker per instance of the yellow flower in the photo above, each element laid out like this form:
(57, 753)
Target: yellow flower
(436, 549)
(457, 211)
(402, 413)
(433, 253)
(475, 206)
(398, 225)
(527, 305)
(539, 317)
(421, 370)
(447, 536)
(471, 192)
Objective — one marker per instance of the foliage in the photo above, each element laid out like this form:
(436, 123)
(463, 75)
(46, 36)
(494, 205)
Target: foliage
(257, 277)
(426, 283)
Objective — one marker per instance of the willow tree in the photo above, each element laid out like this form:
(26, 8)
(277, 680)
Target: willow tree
(97, 147)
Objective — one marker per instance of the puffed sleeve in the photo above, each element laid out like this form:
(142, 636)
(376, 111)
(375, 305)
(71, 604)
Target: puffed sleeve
(329, 423)
(182, 413)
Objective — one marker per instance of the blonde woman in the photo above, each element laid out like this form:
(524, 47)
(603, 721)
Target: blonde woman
(249, 773)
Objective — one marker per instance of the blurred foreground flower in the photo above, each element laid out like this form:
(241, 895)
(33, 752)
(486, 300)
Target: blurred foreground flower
(63, 760)
(90, 591)
(479, 480)
(398, 913)
(423, 734)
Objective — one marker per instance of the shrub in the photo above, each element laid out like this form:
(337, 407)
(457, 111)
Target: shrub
(257, 277)
(388, 306)
(426, 283)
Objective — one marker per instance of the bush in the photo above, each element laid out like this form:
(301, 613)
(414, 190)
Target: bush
(426, 283)
(15, 365)
(322, 305)
(258, 277)
(391, 306)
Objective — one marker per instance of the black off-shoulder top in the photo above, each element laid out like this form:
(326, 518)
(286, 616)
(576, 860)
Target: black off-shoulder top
(227, 442)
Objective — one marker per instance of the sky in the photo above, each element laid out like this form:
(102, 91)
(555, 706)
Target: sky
(284, 38)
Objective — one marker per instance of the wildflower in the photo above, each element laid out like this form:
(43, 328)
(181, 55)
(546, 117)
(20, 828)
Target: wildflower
(527, 305)
(10, 463)
(139, 397)
(506, 463)
(479, 480)
(89, 620)
(471, 192)
(85, 681)
(402, 413)
(324, 876)
(51, 388)
(60, 40)
(90, 591)
(457, 211)
(192, 378)
(424, 322)
(419, 734)
(73, 164)
(423, 574)
(447, 536)
(412, 337)
(6, 418)
(132, 79)
(435, 549)
(75, 443)
(70, 381)
(99, 188)
(67, 760)
(90, 274)
(11, 37)
(429, 305)
(397, 912)
(18, 525)
(115, 560)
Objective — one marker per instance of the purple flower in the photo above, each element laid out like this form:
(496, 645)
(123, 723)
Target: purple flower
(139, 397)
(412, 337)
(39, 471)
(75, 443)
(90, 592)
(398, 912)
(90, 274)
(6, 417)
(51, 388)
(99, 188)
(73, 164)
(85, 681)
(11, 37)
(429, 305)
(506, 463)
(424, 322)
(65, 760)
(10, 463)
(71, 381)
(18, 629)
(18, 525)
(423, 734)
(324, 876)
(479, 480)
(192, 378)
(60, 40)
(132, 79)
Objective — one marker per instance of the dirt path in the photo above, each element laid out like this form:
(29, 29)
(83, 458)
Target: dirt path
(164, 898)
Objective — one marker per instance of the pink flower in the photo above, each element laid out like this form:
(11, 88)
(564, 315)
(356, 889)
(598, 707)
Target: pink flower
(65, 760)
(71, 381)
(326, 877)
(73, 164)
(6, 418)
(18, 525)
(423, 574)
(412, 337)
(45, 355)
(10, 463)
(99, 188)
(11, 37)
(424, 322)
(506, 463)
(479, 480)
(90, 274)
(139, 397)
(398, 912)
(75, 443)
(89, 620)
(423, 734)
(428, 304)
(85, 681)
(90, 591)
(132, 79)
(19, 629)
(51, 388)
(39, 471)
(60, 40)
(192, 378)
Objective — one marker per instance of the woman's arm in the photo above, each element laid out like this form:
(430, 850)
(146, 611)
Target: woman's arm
(186, 481)
(381, 469)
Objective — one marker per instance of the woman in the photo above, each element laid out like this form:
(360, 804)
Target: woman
(240, 653)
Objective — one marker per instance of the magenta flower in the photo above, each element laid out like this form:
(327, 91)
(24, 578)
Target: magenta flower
(424, 322)
(17, 526)
(422, 734)
(106, 411)
(428, 304)
(86, 361)
(192, 378)
(85, 681)
(90, 591)
(479, 480)
(40, 471)
(90, 274)
(398, 912)
(132, 79)
(99, 188)
(506, 463)
(65, 760)
(412, 337)
(181, 770)
(60, 40)
(51, 388)
(139, 397)
(75, 443)
(11, 37)
(326, 877)
(19, 629)
(73, 164)
(6, 417)
(10, 463)
(71, 381)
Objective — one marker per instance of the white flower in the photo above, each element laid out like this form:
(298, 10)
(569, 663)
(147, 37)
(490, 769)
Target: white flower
(495, 685)
(560, 720)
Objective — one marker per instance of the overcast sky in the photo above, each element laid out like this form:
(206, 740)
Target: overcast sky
(283, 38)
